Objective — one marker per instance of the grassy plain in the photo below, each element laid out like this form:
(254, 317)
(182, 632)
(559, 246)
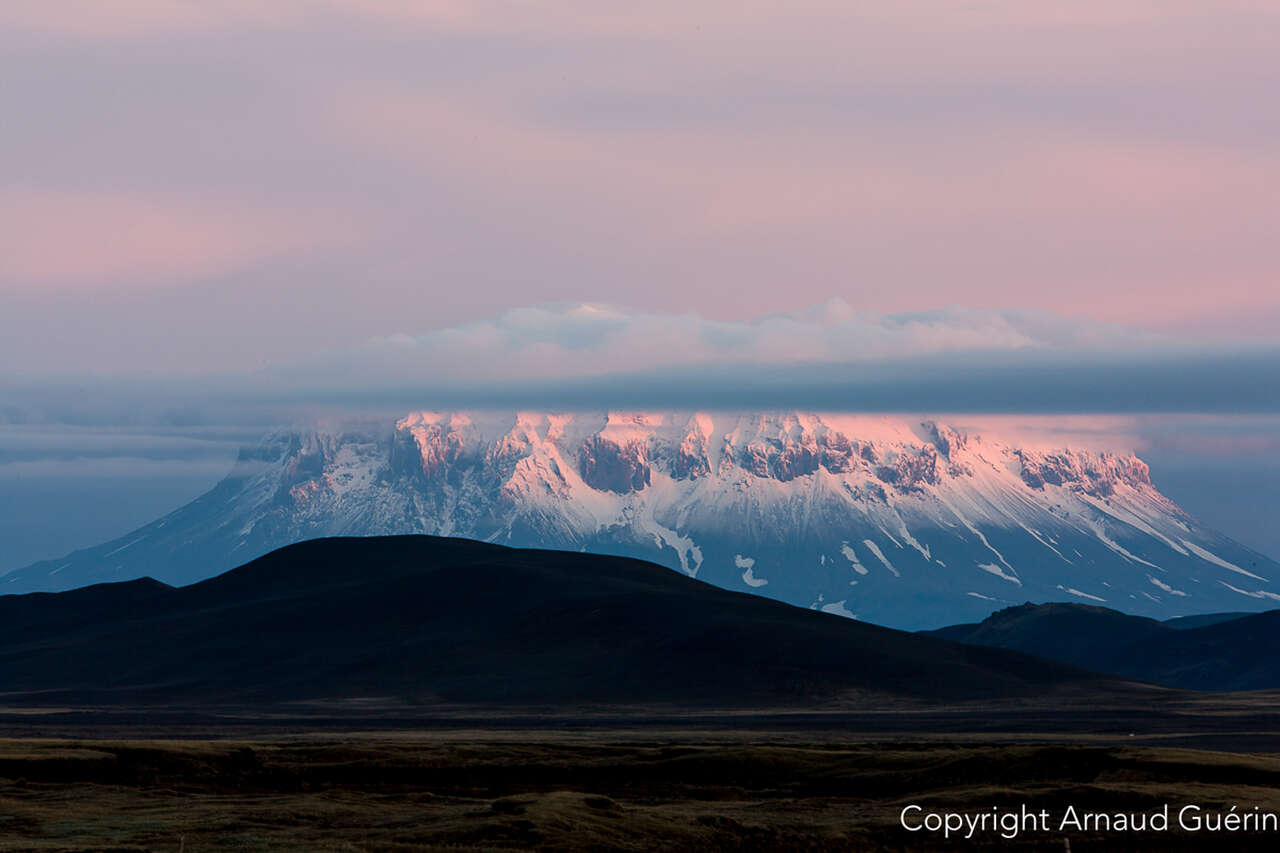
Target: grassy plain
(560, 785)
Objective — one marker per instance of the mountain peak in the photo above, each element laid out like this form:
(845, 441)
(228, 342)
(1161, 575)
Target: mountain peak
(902, 521)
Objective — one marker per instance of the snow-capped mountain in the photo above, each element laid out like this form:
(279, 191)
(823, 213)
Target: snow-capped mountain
(902, 523)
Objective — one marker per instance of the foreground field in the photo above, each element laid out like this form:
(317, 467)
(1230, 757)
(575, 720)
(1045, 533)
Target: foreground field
(621, 790)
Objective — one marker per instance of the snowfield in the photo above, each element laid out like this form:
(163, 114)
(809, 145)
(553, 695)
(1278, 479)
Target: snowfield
(905, 523)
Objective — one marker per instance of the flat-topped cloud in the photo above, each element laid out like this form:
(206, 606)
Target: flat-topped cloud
(829, 357)
(824, 358)
(585, 340)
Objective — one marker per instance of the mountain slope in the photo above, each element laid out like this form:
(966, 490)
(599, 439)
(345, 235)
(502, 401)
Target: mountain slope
(1201, 619)
(431, 620)
(1241, 653)
(911, 524)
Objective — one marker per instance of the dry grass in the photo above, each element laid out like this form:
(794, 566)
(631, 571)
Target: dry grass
(466, 792)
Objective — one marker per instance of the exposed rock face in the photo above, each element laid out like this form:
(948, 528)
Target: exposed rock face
(780, 457)
(1096, 475)
(911, 472)
(911, 524)
(609, 466)
(945, 439)
(786, 447)
(692, 457)
(303, 474)
(436, 448)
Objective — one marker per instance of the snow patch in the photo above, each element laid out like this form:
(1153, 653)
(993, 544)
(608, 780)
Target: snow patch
(687, 551)
(126, 545)
(1123, 515)
(1162, 585)
(890, 537)
(1070, 590)
(976, 532)
(838, 608)
(852, 556)
(1117, 547)
(1035, 534)
(1218, 561)
(751, 580)
(999, 572)
(875, 549)
(1262, 593)
(911, 540)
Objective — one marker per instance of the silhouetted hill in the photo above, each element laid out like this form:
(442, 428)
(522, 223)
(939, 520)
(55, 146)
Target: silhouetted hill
(1220, 651)
(1239, 654)
(431, 620)
(1202, 619)
(1078, 633)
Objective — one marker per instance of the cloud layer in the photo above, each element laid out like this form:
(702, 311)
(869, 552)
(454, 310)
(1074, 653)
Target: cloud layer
(829, 357)
(826, 358)
(589, 340)
(1036, 377)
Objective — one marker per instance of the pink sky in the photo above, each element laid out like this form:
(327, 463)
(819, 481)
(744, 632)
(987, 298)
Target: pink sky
(210, 186)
